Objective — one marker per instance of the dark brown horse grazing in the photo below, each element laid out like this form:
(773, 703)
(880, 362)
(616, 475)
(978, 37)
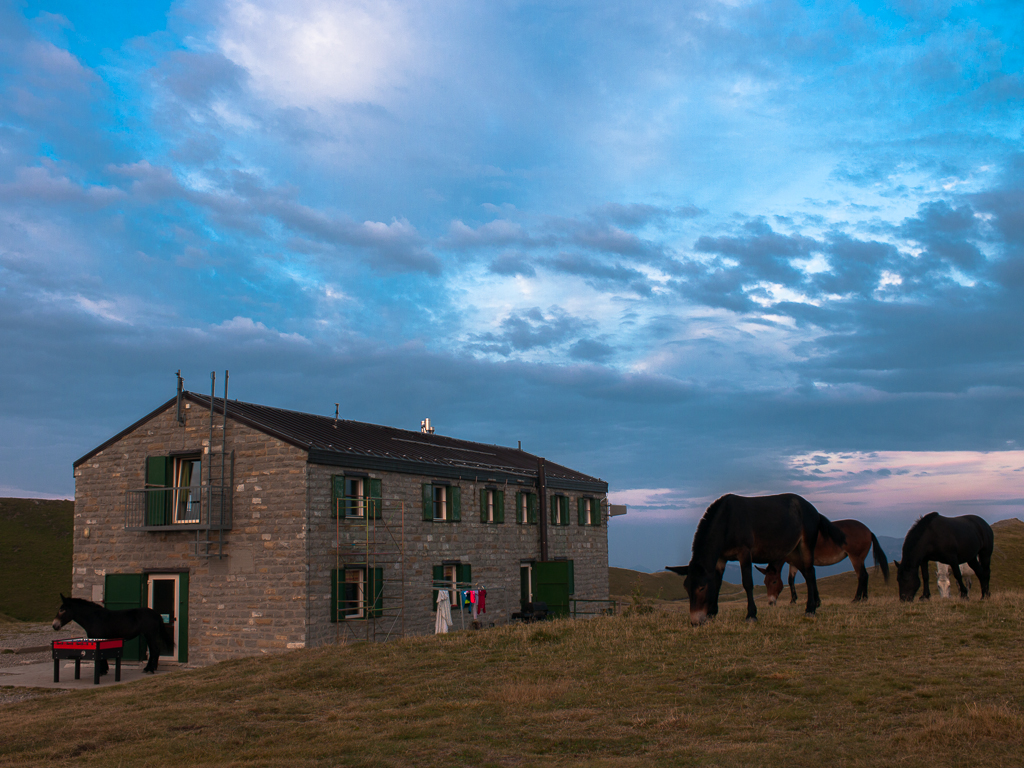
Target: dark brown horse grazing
(950, 540)
(762, 529)
(859, 542)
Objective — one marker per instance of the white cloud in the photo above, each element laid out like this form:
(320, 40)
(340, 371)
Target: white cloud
(305, 53)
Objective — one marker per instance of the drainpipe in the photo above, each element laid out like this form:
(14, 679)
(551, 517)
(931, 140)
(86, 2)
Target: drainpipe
(542, 491)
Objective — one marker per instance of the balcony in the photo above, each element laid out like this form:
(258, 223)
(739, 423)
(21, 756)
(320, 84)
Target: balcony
(188, 508)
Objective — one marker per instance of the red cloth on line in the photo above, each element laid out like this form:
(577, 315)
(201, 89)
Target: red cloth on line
(481, 598)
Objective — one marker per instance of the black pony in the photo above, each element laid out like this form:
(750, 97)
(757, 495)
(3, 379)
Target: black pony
(950, 540)
(761, 529)
(97, 621)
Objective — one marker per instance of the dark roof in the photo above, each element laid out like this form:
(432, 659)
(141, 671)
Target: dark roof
(359, 445)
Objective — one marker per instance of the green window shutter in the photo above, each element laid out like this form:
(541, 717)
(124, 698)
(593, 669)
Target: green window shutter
(572, 577)
(375, 592)
(564, 517)
(499, 506)
(519, 505)
(159, 474)
(463, 575)
(531, 508)
(581, 510)
(595, 512)
(122, 591)
(456, 503)
(428, 501)
(182, 638)
(483, 505)
(438, 576)
(375, 498)
(524, 587)
(337, 493)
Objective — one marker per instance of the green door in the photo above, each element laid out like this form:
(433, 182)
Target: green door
(552, 584)
(122, 591)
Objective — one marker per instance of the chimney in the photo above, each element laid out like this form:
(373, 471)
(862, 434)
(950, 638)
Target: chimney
(425, 427)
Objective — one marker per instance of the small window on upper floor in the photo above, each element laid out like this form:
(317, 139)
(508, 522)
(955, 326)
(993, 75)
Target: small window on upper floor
(356, 497)
(589, 511)
(441, 502)
(526, 508)
(492, 506)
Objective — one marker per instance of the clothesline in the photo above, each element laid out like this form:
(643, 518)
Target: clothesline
(467, 593)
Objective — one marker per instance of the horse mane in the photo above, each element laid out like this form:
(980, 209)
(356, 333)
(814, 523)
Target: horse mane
(86, 605)
(917, 530)
(704, 524)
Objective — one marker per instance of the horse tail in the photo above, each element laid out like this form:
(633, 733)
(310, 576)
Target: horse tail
(827, 528)
(880, 558)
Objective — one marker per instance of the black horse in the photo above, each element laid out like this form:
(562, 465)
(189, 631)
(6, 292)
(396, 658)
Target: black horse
(761, 529)
(97, 621)
(950, 540)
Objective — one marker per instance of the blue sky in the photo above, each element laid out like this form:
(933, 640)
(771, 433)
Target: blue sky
(689, 247)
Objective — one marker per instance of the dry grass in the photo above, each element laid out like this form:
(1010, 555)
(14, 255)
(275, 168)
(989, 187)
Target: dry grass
(873, 684)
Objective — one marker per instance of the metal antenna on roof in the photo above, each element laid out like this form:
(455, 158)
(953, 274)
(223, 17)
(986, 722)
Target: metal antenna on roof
(178, 414)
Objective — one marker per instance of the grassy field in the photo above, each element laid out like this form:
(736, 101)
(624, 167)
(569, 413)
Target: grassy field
(875, 684)
(35, 557)
(880, 683)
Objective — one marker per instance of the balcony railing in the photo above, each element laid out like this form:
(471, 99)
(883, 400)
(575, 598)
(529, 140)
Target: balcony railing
(191, 508)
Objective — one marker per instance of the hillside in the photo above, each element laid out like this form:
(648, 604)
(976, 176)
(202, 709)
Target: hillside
(35, 556)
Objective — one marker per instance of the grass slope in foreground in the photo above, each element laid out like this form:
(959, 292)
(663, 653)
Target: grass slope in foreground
(35, 556)
(873, 684)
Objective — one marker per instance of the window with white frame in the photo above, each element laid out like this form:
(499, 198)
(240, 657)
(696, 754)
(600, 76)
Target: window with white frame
(492, 506)
(452, 577)
(559, 510)
(441, 502)
(188, 474)
(356, 592)
(526, 508)
(589, 511)
(355, 497)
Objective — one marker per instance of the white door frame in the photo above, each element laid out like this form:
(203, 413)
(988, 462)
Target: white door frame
(176, 624)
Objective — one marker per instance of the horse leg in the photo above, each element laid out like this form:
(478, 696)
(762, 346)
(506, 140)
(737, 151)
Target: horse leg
(955, 570)
(748, 586)
(926, 593)
(153, 641)
(792, 583)
(982, 567)
(813, 601)
(862, 580)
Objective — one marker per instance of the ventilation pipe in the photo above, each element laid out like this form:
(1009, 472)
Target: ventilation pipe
(425, 427)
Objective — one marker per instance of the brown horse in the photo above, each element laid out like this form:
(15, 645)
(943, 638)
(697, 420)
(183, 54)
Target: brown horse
(859, 542)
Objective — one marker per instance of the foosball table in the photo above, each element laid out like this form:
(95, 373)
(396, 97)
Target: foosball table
(87, 649)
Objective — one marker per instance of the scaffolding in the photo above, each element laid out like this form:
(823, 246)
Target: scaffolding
(368, 582)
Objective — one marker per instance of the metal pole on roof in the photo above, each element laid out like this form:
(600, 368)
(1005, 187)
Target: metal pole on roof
(543, 504)
(224, 449)
(209, 452)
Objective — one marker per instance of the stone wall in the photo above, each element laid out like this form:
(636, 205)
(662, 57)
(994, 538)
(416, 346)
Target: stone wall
(253, 600)
(494, 552)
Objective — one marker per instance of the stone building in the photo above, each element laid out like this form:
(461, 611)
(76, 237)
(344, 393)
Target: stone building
(262, 529)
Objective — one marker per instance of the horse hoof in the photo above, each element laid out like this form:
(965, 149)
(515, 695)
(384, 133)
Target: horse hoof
(752, 618)
(150, 671)
(811, 615)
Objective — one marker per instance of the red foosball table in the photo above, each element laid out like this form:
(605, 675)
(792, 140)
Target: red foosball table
(87, 649)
